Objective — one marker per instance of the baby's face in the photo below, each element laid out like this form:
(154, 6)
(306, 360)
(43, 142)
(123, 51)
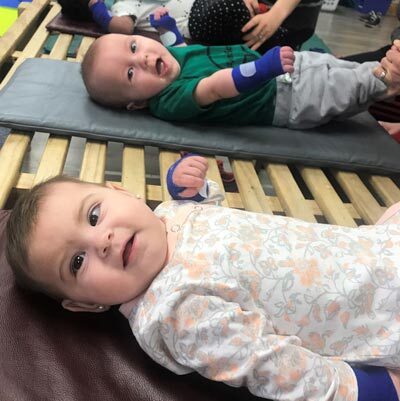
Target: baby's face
(133, 68)
(96, 245)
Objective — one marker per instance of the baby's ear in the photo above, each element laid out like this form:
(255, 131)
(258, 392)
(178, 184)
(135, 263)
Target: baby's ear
(137, 105)
(122, 189)
(75, 306)
(111, 185)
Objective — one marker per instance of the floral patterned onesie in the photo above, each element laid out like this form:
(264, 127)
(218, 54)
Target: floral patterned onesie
(282, 306)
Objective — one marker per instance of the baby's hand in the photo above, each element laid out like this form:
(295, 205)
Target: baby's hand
(287, 59)
(166, 27)
(161, 19)
(190, 173)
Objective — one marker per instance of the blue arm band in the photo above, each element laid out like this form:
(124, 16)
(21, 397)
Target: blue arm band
(172, 37)
(374, 384)
(175, 190)
(251, 75)
(101, 15)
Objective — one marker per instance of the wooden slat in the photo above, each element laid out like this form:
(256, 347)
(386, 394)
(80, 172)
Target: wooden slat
(10, 40)
(166, 158)
(53, 158)
(360, 197)
(250, 189)
(25, 181)
(328, 200)
(35, 44)
(11, 156)
(288, 192)
(133, 170)
(385, 188)
(22, 7)
(94, 162)
(84, 46)
(60, 48)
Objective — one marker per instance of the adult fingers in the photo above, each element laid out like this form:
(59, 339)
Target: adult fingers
(251, 24)
(391, 66)
(380, 72)
(252, 6)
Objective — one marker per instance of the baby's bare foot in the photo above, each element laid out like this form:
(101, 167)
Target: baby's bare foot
(287, 59)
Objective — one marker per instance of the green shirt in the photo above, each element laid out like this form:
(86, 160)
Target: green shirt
(176, 102)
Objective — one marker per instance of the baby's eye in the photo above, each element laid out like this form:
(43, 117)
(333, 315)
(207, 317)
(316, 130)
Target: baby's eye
(133, 47)
(94, 214)
(77, 262)
(130, 73)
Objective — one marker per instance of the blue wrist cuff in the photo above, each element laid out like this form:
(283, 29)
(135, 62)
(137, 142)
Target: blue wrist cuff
(374, 384)
(101, 15)
(172, 37)
(175, 190)
(251, 75)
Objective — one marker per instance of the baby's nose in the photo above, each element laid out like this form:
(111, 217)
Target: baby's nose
(149, 61)
(145, 60)
(105, 244)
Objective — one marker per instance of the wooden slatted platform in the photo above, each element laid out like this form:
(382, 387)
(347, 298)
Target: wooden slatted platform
(308, 193)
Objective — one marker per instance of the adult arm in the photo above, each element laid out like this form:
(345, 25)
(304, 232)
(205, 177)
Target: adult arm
(263, 26)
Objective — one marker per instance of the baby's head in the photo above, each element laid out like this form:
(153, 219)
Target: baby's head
(126, 71)
(84, 244)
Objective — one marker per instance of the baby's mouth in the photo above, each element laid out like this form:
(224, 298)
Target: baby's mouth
(127, 251)
(160, 66)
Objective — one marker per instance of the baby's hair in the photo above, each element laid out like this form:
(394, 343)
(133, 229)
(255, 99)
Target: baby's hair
(20, 226)
(76, 9)
(93, 85)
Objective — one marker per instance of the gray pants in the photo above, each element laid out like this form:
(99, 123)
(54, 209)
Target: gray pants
(322, 88)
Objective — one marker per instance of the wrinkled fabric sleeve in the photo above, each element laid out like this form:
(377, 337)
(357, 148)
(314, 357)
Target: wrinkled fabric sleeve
(215, 195)
(225, 343)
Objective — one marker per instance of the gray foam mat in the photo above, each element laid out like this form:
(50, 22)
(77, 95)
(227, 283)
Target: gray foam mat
(49, 95)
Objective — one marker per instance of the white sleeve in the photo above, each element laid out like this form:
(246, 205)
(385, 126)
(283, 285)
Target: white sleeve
(211, 192)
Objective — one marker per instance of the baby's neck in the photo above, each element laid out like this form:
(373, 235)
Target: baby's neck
(171, 237)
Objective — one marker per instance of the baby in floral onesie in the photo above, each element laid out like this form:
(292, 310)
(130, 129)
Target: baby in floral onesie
(290, 309)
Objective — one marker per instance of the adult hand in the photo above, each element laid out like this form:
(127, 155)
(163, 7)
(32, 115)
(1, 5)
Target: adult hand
(389, 69)
(259, 29)
(190, 173)
(252, 6)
